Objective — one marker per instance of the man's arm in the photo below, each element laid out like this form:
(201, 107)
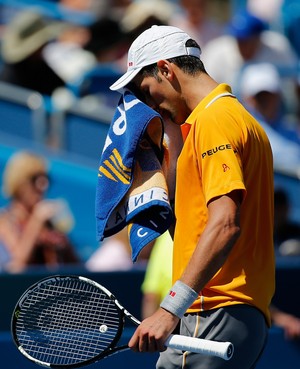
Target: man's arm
(220, 234)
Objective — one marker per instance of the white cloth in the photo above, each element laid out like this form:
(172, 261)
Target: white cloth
(68, 60)
(110, 256)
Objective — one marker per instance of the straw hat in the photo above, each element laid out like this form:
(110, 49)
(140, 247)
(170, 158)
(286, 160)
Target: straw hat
(26, 33)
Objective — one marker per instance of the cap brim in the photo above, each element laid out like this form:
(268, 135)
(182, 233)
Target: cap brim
(124, 80)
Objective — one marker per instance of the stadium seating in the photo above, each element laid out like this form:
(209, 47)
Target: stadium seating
(80, 130)
(23, 112)
(96, 81)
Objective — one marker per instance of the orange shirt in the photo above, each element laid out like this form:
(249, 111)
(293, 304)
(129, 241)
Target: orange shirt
(226, 149)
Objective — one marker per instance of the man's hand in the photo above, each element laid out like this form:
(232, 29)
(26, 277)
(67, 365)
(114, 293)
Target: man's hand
(153, 332)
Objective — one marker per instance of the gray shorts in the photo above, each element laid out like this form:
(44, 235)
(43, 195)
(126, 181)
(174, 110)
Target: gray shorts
(243, 325)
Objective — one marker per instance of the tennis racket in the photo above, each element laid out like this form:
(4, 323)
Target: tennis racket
(71, 321)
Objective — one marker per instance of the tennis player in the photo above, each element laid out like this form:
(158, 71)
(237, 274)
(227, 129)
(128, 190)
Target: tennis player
(223, 260)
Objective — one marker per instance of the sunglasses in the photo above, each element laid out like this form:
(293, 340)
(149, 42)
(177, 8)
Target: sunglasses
(40, 181)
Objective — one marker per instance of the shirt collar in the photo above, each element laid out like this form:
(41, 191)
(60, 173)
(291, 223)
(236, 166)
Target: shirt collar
(222, 88)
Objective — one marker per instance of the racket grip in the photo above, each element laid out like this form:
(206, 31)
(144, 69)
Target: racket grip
(223, 350)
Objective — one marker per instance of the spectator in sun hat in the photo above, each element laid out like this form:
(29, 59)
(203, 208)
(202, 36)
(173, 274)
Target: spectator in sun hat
(31, 233)
(261, 90)
(247, 40)
(24, 39)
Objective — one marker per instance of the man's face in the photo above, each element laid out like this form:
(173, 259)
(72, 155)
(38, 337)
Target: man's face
(160, 95)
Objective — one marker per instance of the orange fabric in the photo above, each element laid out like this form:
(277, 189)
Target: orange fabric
(226, 149)
(185, 129)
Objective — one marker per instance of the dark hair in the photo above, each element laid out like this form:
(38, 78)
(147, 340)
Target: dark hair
(104, 34)
(188, 64)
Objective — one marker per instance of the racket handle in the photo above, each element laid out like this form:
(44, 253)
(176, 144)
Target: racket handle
(223, 350)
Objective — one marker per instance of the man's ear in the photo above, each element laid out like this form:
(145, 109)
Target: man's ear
(165, 68)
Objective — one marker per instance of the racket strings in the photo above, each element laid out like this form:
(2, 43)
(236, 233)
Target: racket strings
(60, 322)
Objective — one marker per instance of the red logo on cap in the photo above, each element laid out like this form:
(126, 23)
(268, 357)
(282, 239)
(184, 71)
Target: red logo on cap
(172, 293)
(130, 64)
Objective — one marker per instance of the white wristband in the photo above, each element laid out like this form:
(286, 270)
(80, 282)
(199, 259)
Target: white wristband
(179, 299)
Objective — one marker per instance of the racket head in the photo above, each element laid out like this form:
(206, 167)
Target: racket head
(66, 322)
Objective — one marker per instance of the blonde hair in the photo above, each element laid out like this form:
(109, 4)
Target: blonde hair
(19, 168)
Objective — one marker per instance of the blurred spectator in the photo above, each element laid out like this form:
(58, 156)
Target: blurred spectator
(66, 55)
(261, 90)
(286, 231)
(104, 43)
(248, 41)
(82, 46)
(89, 65)
(115, 254)
(23, 42)
(31, 232)
(193, 16)
(107, 41)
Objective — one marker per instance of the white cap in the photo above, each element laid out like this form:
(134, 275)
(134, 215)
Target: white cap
(154, 44)
(259, 77)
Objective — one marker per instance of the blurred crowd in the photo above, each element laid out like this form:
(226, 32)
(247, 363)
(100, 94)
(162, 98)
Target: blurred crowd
(252, 48)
